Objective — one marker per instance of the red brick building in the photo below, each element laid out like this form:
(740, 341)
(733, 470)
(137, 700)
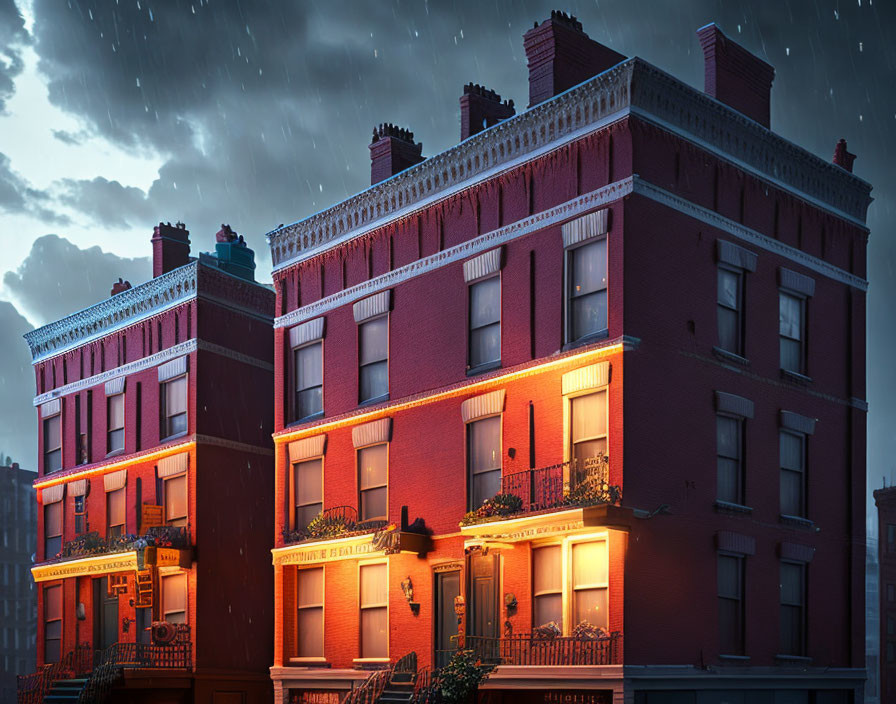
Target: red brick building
(155, 465)
(885, 499)
(631, 286)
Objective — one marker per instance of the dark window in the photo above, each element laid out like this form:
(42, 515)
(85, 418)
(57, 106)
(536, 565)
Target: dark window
(891, 536)
(309, 378)
(81, 514)
(731, 604)
(586, 304)
(52, 624)
(52, 529)
(730, 459)
(792, 330)
(793, 474)
(485, 322)
(174, 407)
(483, 459)
(793, 608)
(115, 513)
(115, 423)
(374, 359)
(730, 310)
(308, 483)
(372, 481)
(891, 626)
(53, 443)
(891, 592)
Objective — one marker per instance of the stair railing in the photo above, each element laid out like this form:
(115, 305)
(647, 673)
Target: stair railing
(31, 689)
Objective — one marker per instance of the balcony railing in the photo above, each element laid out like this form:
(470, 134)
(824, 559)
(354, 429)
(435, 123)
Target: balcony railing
(91, 544)
(533, 649)
(31, 689)
(335, 522)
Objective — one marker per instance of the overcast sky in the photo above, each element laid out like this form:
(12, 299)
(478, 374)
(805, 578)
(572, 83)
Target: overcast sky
(121, 113)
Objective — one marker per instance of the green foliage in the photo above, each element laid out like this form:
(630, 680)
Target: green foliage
(492, 509)
(460, 678)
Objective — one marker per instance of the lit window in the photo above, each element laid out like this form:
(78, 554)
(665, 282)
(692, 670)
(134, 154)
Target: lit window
(792, 332)
(547, 571)
(115, 423)
(589, 584)
(308, 481)
(588, 428)
(309, 380)
(731, 604)
(310, 619)
(374, 359)
(174, 407)
(729, 459)
(485, 322)
(374, 612)
(52, 624)
(484, 459)
(373, 481)
(115, 513)
(730, 310)
(174, 598)
(52, 529)
(586, 306)
(175, 493)
(53, 443)
(793, 608)
(793, 474)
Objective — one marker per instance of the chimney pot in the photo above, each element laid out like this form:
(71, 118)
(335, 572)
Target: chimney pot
(392, 150)
(120, 286)
(842, 157)
(170, 248)
(480, 108)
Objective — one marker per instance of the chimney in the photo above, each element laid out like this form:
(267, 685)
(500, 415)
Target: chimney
(170, 247)
(561, 56)
(232, 254)
(480, 108)
(736, 77)
(842, 157)
(392, 150)
(120, 286)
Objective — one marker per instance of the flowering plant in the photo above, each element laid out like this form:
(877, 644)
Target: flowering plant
(493, 509)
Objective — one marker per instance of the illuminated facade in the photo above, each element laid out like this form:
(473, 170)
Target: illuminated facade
(624, 311)
(155, 463)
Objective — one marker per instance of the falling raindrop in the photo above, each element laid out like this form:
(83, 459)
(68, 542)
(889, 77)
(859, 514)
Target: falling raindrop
(836, 15)
(860, 46)
(788, 51)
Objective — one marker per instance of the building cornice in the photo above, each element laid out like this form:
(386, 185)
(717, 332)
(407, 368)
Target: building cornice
(631, 87)
(162, 293)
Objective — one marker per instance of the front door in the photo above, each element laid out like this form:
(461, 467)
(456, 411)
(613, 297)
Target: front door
(105, 615)
(447, 586)
(482, 609)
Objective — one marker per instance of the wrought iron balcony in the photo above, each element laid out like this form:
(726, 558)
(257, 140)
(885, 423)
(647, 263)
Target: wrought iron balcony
(92, 544)
(335, 522)
(536, 649)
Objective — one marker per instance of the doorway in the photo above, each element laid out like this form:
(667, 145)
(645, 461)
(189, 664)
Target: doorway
(447, 587)
(105, 615)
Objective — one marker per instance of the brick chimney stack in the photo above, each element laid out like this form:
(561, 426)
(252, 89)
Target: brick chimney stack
(561, 56)
(170, 247)
(736, 77)
(392, 150)
(480, 108)
(842, 157)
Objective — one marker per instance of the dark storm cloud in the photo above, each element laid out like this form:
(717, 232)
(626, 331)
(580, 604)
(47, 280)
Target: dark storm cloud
(58, 278)
(107, 202)
(18, 426)
(17, 196)
(12, 37)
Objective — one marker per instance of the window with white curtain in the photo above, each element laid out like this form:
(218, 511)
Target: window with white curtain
(174, 597)
(175, 492)
(308, 482)
(585, 565)
(588, 428)
(374, 611)
(586, 290)
(483, 460)
(174, 407)
(590, 584)
(485, 322)
(309, 380)
(373, 482)
(115, 423)
(310, 617)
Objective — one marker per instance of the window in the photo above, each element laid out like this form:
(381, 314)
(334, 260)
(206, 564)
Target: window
(793, 474)
(52, 529)
(588, 427)
(374, 611)
(308, 481)
(729, 460)
(81, 514)
(589, 584)
(485, 322)
(547, 588)
(731, 604)
(52, 623)
(308, 362)
(373, 481)
(891, 592)
(115, 423)
(374, 359)
(174, 597)
(483, 459)
(174, 407)
(115, 513)
(792, 330)
(793, 608)
(730, 310)
(586, 305)
(310, 619)
(53, 443)
(891, 537)
(175, 493)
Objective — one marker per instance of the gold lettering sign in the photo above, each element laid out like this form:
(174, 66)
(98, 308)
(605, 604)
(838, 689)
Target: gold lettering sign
(167, 557)
(327, 553)
(88, 566)
(542, 531)
(319, 697)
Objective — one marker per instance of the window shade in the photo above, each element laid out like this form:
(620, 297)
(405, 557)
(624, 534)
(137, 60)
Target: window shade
(372, 306)
(115, 480)
(115, 386)
(307, 448)
(176, 464)
(585, 227)
(176, 397)
(483, 405)
(52, 494)
(78, 487)
(176, 367)
(593, 376)
(483, 265)
(377, 431)
(306, 332)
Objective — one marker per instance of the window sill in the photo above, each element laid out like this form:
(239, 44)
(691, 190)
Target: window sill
(483, 368)
(371, 663)
(728, 507)
(588, 339)
(114, 453)
(797, 521)
(796, 377)
(373, 401)
(310, 662)
(735, 658)
(306, 419)
(727, 356)
(175, 436)
(793, 658)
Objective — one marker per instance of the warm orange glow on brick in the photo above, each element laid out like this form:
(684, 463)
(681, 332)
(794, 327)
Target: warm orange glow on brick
(100, 564)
